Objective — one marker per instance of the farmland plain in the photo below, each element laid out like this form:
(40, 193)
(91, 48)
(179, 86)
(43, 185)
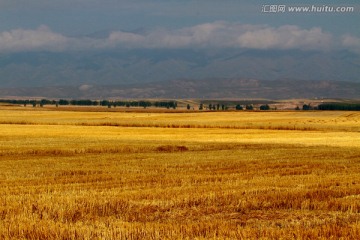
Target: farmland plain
(78, 173)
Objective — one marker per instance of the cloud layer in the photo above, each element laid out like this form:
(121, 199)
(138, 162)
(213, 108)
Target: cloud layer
(218, 34)
(39, 39)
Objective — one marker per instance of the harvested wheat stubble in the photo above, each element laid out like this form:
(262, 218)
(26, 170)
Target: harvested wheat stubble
(61, 179)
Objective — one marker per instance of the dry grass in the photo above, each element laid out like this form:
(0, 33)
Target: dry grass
(286, 120)
(98, 175)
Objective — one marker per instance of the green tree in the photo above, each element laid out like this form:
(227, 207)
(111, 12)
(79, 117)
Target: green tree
(238, 107)
(249, 107)
(307, 107)
(201, 106)
(265, 107)
(104, 103)
(63, 102)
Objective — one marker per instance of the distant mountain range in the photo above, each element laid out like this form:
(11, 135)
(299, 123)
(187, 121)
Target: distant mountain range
(133, 66)
(181, 73)
(214, 88)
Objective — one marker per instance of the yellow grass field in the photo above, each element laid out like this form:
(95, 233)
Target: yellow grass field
(81, 174)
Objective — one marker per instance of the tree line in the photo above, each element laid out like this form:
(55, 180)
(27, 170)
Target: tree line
(340, 106)
(332, 106)
(141, 103)
(172, 104)
(87, 102)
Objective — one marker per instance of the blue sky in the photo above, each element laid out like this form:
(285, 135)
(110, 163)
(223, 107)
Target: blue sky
(60, 25)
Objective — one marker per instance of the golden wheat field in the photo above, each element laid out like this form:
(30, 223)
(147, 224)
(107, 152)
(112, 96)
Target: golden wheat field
(80, 174)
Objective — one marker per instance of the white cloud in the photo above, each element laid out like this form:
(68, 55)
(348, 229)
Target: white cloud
(224, 34)
(218, 34)
(286, 37)
(38, 39)
(351, 42)
(128, 39)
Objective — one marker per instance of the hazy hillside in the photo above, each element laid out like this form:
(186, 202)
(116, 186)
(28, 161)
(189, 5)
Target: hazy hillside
(206, 88)
(38, 69)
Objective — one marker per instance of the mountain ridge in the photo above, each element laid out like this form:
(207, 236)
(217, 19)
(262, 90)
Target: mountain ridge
(212, 88)
(128, 66)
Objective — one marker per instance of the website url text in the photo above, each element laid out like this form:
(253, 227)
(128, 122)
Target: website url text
(306, 9)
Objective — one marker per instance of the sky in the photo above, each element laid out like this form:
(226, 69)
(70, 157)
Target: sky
(85, 25)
